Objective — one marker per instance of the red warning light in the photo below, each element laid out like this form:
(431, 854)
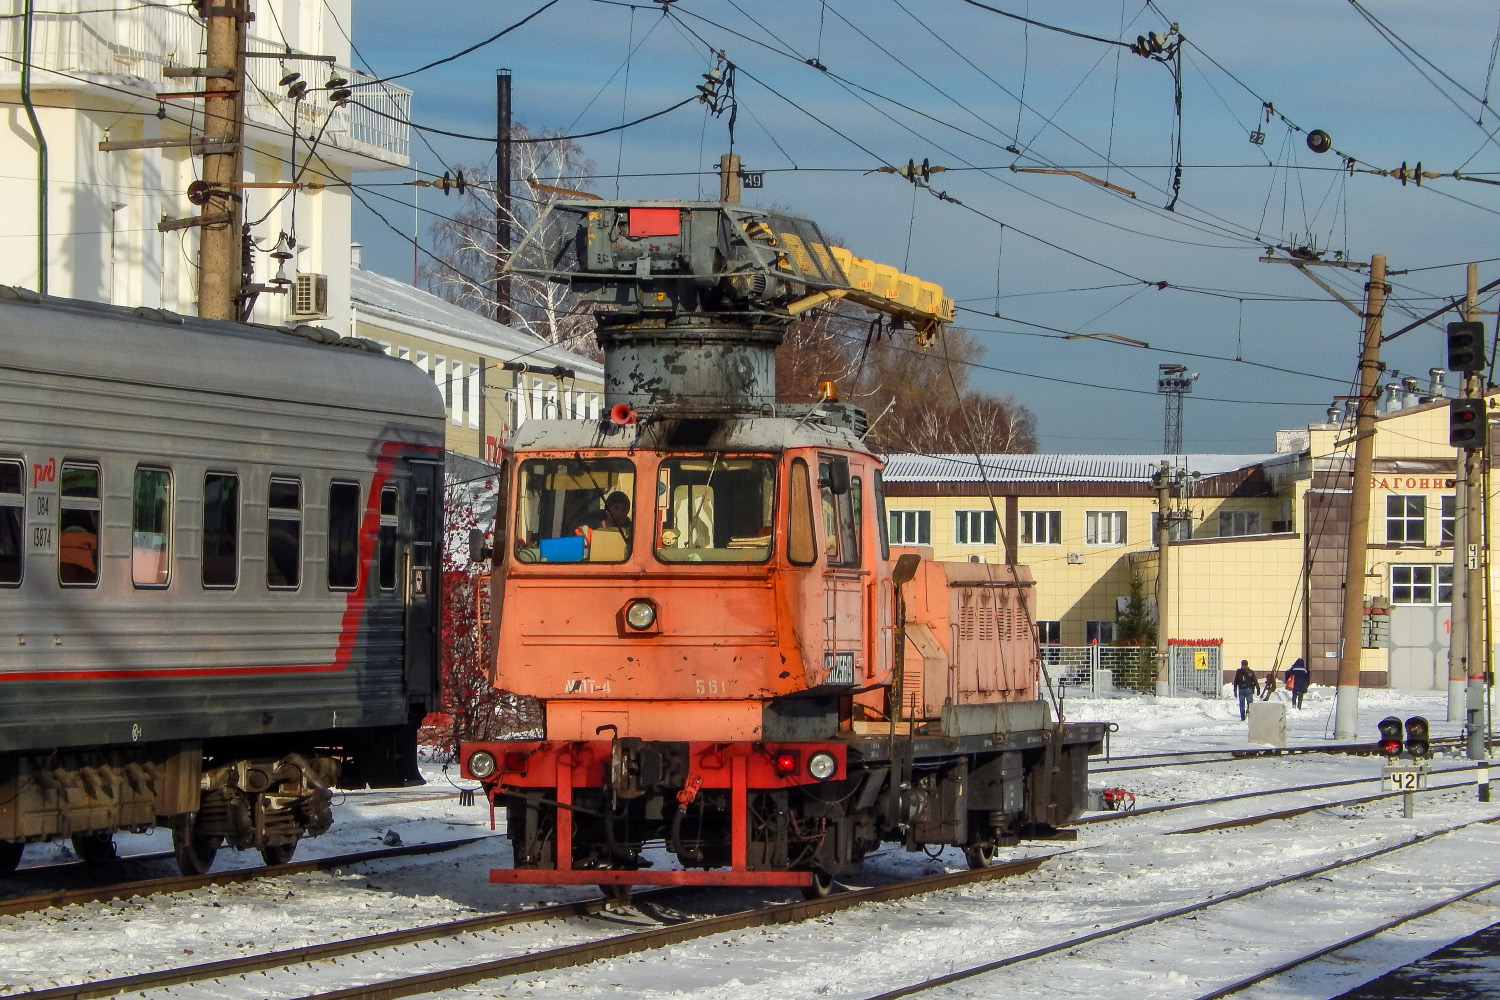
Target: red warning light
(786, 762)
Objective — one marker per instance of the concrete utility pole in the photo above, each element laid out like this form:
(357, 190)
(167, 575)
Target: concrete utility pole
(729, 178)
(220, 248)
(1163, 548)
(1473, 513)
(1346, 716)
(503, 310)
(1458, 616)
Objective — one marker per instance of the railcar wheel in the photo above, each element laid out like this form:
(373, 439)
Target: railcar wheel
(10, 856)
(195, 852)
(820, 886)
(278, 854)
(95, 848)
(980, 856)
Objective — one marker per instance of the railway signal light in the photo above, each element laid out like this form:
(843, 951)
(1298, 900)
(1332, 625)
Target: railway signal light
(1466, 423)
(1390, 736)
(1416, 737)
(1466, 347)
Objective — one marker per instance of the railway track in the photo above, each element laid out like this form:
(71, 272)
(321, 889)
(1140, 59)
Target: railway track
(182, 883)
(1188, 758)
(455, 954)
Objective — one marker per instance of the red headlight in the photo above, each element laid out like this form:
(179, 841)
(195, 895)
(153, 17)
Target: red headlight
(786, 762)
(515, 760)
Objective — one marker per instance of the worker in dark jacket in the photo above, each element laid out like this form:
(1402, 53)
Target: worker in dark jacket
(1297, 679)
(1247, 686)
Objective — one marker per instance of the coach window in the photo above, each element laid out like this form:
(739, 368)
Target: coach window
(388, 538)
(343, 536)
(151, 528)
(12, 521)
(221, 530)
(801, 546)
(78, 525)
(284, 534)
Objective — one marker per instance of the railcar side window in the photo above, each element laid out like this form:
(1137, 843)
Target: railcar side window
(12, 522)
(151, 528)
(576, 510)
(221, 530)
(715, 509)
(801, 546)
(284, 534)
(388, 538)
(78, 525)
(343, 536)
(841, 512)
(882, 528)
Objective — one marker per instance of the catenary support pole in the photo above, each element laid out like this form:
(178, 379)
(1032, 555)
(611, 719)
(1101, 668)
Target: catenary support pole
(502, 195)
(1473, 510)
(1346, 715)
(220, 249)
(41, 150)
(1163, 551)
(1458, 630)
(729, 178)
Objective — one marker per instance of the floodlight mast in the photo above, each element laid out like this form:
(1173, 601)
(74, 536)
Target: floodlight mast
(1173, 383)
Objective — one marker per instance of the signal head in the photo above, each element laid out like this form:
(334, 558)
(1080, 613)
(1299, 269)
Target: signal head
(1416, 737)
(1390, 736)
(1466, 347)
(1467, 423)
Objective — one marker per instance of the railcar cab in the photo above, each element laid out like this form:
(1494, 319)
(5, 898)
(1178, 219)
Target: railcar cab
(741, 570)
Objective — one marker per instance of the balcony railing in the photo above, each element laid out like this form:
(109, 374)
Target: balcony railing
(128, 49)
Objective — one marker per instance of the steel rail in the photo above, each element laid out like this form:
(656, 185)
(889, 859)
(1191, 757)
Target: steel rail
(181, 883)
(1180, 911)
(1226, 756)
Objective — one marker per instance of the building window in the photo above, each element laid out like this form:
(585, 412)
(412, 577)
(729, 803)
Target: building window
(12, 521)
(1179, 529)
(1406, 520)
(221, 530)
(150, 528)
(974, 527)
(78, 525)
(1049, 633)
(1425, 583)
(1449, 516)
(284, 534)
(1102, 632)
(1238, 522)
(343, 536)
(911, 527)
(1041, 527)
(1104, 527)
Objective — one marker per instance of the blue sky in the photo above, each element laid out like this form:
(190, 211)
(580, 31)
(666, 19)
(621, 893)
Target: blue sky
(1051, 254)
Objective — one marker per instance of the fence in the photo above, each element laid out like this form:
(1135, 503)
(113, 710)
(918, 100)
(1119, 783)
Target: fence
(1196, 667)
(1096, 671)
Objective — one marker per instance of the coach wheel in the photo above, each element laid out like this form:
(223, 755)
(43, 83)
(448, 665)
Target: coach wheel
(615, 892)
(820, 886)
(95, 848)
(980, 856)
(10, 855)
(278, 854)
(195, 852)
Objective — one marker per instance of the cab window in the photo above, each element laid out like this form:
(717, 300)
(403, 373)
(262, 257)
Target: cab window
(575, 510)
(78, 525)
(715, 509)
(842, 509)
(802, 546)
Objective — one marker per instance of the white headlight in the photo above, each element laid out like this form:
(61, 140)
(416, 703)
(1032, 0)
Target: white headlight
(481, 763)
(640, 615)
(822, 765)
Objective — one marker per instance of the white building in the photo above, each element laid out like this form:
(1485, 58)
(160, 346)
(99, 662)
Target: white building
(95, 77)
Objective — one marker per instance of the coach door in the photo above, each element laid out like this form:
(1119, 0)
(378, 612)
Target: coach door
(423, 579)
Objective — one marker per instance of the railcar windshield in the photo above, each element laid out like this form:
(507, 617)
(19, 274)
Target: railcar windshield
(715, 509)
(575, 510)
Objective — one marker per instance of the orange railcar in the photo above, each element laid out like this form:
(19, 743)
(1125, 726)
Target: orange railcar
(734, 669)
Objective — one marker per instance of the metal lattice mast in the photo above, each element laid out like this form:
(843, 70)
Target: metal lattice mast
(1174, 382)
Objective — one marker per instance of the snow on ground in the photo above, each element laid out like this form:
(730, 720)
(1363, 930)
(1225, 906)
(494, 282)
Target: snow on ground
(1114, 871)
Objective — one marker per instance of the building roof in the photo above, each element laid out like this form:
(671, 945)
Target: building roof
(402, 307)
(1059, 467)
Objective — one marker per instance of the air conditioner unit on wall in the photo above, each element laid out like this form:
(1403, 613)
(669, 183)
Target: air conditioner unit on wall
(310, 297)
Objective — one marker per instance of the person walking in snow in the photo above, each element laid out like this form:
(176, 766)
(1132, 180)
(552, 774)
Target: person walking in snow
(1297, 678)
(1247, 686)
